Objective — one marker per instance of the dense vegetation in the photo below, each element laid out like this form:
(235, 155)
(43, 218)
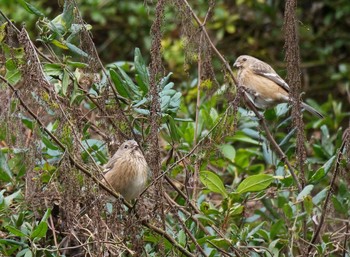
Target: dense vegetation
(78, 79)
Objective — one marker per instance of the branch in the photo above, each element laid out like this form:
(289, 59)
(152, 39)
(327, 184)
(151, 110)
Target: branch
(247, 102)
(331, 187)
(88, 173)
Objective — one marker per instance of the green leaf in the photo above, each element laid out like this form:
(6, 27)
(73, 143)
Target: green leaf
(127, 81)
(16, 195)
(228, 151)
(317, 199)
(68, 16)
(142, 71)
(213, 182)
(276, 228)
(287, 137)
(12, 242)
(288, 211)
(53, 69)
(308, 204)
(305, 192)
(164, 102)
(65, 82)
(254, 183)
(142, 111)
(256, 229)
(80, 65)
(5, 172)
(243, 137)
(76, 50)
(30, 8)
(118, 83)
(175, 101)
(16, 232)
(3, 31)
(174, 131)
(236, 209)
(24, 253)
(13, 73)
(164, 81)
(39, 231)
(48, 143)
(27, 122)
(59, 44)
(181, 236)
(323, 171)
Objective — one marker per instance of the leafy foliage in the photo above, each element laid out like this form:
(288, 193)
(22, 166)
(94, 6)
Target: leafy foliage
(224, 189)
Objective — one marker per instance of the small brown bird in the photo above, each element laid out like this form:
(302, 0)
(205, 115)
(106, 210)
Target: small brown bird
(127, 170)
(264, 87)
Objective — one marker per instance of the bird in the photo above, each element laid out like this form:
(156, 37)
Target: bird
(264, 87)
(127, 171)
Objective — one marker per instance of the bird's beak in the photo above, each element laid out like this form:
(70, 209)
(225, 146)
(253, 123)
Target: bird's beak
(236, 64)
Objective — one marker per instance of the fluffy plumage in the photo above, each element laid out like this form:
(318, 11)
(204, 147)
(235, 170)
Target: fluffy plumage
(127, 170)
(264, 87)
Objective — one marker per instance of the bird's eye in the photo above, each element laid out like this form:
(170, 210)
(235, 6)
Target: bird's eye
(126, 146)
(244, 59)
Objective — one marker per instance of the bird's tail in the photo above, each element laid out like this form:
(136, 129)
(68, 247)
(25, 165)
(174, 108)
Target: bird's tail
(312, 110)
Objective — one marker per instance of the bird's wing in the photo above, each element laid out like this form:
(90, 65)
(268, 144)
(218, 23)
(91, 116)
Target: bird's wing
(109, 165)
(265, 70)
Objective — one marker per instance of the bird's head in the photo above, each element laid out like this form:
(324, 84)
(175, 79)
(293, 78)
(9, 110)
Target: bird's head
(129, 146)
(242, 61)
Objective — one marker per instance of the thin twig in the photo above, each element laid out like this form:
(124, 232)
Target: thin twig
(328, 196)
(169, 238)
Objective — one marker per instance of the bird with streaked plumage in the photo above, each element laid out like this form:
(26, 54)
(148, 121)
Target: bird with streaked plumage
(127, 170)
(264, 87)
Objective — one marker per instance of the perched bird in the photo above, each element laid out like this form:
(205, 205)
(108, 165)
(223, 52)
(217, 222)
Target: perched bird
(127, 170)
(265, 88)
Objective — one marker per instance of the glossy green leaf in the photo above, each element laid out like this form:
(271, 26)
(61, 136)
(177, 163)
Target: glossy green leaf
(308, 205)
(16, 232)
(119, 85)
(76, 50)
(323, 171)
(305, 192)
(67, 15)
(228, 151)
(13, 73)
(164, 102)
(12, 242)
(59, 44)
(127, 81)
(27, 122)
(80, 65)
(141, 70)
(254, 183)
(30, 8)
(5, 172)
(3, 31)
(174, 131)
(65, 82)
(213, 182)
(39, 231)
